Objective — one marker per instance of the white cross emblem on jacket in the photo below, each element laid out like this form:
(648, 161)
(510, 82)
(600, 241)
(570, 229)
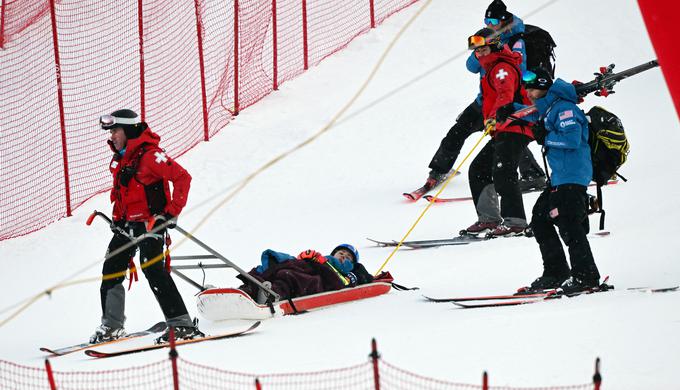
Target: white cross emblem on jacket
(160, 157)
(501, 74)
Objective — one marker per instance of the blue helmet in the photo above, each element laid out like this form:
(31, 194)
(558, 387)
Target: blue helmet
(350, 248)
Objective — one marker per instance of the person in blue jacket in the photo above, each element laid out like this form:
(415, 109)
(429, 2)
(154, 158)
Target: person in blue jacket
(308, 273)
(563, 130)
(510, 28)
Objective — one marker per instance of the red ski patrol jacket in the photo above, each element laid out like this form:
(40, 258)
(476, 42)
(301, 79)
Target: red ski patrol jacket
(140, 181)
(501, 86)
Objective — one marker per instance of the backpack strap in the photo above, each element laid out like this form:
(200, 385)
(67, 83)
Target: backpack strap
(599, 204)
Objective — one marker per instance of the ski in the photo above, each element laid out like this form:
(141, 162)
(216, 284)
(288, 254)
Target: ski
(430, 198)
(383, 243)
(417, 194)
(459, 240)
(554, 294)
(99, 354)
(159, 327)
(654, 290)
(489, 297)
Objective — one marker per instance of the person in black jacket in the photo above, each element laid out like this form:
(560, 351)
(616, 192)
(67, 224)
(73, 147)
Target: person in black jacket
(506, 25)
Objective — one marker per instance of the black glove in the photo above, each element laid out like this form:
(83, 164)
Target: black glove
(352, 279)
(504, 112)
(539, 132)
(163, 218)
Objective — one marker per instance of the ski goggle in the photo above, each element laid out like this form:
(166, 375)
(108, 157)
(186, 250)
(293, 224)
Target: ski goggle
(529, 77)
(476, 41)
(532, 81)
(492, 21)
(109, 121)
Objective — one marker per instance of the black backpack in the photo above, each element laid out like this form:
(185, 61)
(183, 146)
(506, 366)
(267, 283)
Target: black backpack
(540, 48)
(609, 149)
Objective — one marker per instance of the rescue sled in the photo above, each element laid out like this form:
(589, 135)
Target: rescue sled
(218, 304)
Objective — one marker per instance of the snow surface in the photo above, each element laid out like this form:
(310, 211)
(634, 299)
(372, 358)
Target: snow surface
(347, 186)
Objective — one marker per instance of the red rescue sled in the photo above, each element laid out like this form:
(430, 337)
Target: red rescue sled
(218, 304)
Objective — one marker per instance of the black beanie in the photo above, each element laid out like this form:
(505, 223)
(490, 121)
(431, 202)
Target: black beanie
(497, 10)
(542, 80)
(132, 125)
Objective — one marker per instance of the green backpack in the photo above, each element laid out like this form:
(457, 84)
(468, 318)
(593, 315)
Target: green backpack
(609, 149)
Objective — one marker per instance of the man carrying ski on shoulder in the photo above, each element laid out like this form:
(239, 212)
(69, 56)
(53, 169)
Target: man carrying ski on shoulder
(141, 194)
(509, 29)
(563, 130)
(494, 171)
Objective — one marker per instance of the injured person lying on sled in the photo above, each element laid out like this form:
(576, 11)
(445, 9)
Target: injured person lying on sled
(308, 273)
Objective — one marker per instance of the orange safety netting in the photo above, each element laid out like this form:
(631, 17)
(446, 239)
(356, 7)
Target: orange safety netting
(193, 376)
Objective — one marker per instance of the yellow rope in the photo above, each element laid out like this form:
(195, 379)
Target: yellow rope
(487, 130)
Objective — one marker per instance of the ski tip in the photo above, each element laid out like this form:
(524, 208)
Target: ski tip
(603, 233)
(51, 352)
(409, 197)
(94, 354)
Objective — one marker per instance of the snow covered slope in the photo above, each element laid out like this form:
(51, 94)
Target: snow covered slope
(347, 185)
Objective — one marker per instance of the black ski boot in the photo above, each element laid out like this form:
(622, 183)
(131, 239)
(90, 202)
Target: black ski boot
(575, 286)
(543, 283)
(181, 333)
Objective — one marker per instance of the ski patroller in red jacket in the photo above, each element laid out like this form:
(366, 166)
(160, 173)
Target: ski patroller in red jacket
(501, 86)
(149, 171)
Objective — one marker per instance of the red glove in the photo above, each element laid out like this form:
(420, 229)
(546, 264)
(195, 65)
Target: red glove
(312, 255)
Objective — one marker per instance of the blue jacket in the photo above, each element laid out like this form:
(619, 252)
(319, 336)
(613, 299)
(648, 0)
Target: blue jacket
(566, 143)
(517, 27)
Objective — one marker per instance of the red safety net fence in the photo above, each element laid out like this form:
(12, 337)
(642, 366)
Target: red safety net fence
(186, 66)
(177, 373)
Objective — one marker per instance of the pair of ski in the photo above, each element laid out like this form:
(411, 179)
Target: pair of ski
(462, 239)
(431, 198)
(516, 299)
(528, 297)
(157, 328)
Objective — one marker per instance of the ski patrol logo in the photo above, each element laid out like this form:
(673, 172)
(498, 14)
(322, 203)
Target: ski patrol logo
(114, 164)
(160, 157)
(501, 74)
(566, 114)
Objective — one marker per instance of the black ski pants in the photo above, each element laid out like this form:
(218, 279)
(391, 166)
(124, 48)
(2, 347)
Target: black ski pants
(163, 287)
(467, 123)
(564, 206)
(494, 170)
